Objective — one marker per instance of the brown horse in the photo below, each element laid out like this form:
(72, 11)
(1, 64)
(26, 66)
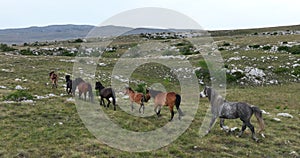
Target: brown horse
(138, 98)
(53, 78)
(83, 87)
(168, 99)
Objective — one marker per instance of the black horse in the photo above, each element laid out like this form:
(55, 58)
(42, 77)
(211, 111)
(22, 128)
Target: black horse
(106, 93)
(232, 110)
(69, 84)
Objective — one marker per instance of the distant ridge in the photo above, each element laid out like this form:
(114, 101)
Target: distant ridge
(47, 33)
(66, 32)
(254, 30)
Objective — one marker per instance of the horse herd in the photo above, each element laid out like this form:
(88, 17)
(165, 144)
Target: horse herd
(220, 108)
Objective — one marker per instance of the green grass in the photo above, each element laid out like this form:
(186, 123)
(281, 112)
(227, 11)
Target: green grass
(52, 127)
(34, 129)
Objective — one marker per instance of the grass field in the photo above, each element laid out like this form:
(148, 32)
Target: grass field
(51, 127)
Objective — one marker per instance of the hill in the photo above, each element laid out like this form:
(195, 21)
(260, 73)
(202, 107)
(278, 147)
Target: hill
(66, 32)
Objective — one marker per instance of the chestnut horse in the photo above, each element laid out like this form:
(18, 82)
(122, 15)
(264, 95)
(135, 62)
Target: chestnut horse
(53, 78)
(138, 98)
(168, 99)
(83, 87)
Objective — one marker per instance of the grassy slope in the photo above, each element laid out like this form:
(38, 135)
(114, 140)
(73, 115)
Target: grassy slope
(35, 130)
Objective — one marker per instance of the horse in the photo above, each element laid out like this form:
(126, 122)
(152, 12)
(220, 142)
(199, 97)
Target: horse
(138, 98)
(106, 93)
(69, 84)
(168, 99)
(53, 78)
(232, 110)
(83, 87)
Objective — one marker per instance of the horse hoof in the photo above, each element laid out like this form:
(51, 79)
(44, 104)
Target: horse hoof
(255, 139)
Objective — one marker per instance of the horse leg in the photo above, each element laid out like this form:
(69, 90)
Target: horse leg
(252, 130)
(142, 106)
(79, 95)
(172, 112)
(243, 129)
(85, 96)
(180, 113)
(108, 102)
(131, 106)
(102, 101)
(222, 120)
(114, 103)
(157, 111)
(212, 121)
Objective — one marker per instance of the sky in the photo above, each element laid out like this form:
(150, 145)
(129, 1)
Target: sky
(210, 14)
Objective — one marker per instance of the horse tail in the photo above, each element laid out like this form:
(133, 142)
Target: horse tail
(114, 97)
(258, 115)
(146, 97)
(91, 92)
(177, 103)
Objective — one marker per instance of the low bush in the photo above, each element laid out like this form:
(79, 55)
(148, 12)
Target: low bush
(18, 95)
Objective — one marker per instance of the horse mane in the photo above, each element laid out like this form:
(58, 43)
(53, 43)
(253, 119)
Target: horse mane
(153, 93)
(130, 89)
(52, 72)
(68, 78)
(99, 85)
(216, 100)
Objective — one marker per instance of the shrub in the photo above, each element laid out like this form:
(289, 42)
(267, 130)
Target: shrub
(281, 70)
(294, 49)
(185, 50)
(283, 48)
(266, 47)
(6, 48)
(221, 49)
(78, 40)
(26, 52)
(296, 71)
(141, 87)
(230, 78)
(226, 44)
(254, 46)
(18, 95)
(68, 53)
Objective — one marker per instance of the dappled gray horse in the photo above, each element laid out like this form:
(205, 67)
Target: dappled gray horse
(232, 110)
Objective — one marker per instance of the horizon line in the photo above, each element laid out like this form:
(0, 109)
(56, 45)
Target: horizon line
(152, 27)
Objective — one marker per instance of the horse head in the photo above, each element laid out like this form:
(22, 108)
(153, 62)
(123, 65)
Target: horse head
(50, 74)
(206, 92)
(99, 86)
(68, 78)
(153, 93)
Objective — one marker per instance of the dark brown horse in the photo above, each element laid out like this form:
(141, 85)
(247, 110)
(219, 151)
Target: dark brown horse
(106, 93)
(138, 98)
(54, 79)
(69, 84)
(168, 99)
(83, 87)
